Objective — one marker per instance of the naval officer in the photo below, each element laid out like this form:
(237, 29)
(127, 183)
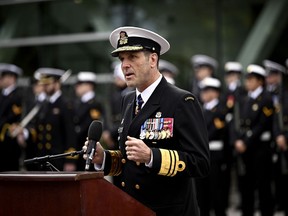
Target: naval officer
(162, 136)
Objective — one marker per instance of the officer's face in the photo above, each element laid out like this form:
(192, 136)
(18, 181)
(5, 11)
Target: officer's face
(273, 79)
(7, 80)
(232, 77)
(208, 95)
(50, 88)
(252, 83)
(203, 72)
(82, 88)
(139, 68)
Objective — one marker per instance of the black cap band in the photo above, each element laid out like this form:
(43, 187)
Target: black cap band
(145, 43)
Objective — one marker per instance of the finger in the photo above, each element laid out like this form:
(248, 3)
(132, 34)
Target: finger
(84, 148)
(131, 138)
(130, 141)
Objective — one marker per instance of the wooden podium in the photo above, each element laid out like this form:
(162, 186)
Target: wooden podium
(62, 193)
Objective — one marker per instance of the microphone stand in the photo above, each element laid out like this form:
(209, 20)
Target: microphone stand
(47, 158)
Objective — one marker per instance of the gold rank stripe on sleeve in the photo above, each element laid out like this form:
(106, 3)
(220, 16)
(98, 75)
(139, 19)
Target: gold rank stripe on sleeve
(116, 164)
(170, 163)
(17, 110)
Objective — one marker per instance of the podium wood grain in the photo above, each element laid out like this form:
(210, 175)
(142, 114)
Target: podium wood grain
(52, 194)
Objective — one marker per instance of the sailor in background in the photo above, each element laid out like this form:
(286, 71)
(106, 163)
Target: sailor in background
(211, 191)
(10, 113)
(276, 76)
(53, 130)
(203, 66)
(168, 70)
(252, 141)
(232, 92)
(86, 109)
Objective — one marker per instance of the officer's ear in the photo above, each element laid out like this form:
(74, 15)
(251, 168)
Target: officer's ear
(154, 59)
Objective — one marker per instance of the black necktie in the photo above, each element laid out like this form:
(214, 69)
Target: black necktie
(139, 102)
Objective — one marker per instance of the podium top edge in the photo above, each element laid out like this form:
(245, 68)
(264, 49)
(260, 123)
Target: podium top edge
(50, 176)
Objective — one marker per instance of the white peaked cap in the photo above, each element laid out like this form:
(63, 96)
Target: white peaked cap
(86, 76)
(210, 82)
(256, 69)
(233, 66)
(137, 39)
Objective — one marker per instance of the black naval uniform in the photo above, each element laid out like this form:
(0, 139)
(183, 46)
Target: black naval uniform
(231, 99)
(281, 165)
(10, 112)
(84, 114)
(53, 132)
(172, 125)
(211, 190)
(256, 118)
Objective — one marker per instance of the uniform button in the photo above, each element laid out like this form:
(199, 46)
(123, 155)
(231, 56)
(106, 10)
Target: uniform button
(40, 146)
(123, 161)
(138, 163)
(40, 137)
(40, 127)
(123, 184)
(249, 133)
(48, 127)
(77, 129)
(48, 146)
(137, 186)
(48, 137)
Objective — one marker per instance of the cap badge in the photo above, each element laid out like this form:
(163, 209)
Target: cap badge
(123, 38)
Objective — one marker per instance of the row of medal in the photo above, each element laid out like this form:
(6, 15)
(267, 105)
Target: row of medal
(157, 128)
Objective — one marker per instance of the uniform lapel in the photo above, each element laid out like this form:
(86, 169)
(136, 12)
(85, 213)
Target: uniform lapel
(128, 116)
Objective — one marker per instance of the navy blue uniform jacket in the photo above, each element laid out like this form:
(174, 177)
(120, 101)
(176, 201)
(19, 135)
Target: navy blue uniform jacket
(168, 186)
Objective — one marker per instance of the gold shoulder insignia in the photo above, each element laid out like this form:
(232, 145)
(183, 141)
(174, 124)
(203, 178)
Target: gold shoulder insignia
(95, 114)
(71, 150)
(268, 112)
(218, 123)
(16, 109)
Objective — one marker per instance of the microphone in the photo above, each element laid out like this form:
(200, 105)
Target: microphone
(94, 135)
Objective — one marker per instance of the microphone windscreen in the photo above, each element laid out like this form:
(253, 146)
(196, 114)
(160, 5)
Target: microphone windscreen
(95, 130)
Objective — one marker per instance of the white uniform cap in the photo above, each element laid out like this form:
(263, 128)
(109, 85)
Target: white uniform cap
(256, 69)
(86, 77)
(117, 71)
(10, 68)
(271, 66)
(233, 67)
(168, 66)
(204, 60)
(49, 72)
(210, 82)
(130, 38)
(47, 75)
